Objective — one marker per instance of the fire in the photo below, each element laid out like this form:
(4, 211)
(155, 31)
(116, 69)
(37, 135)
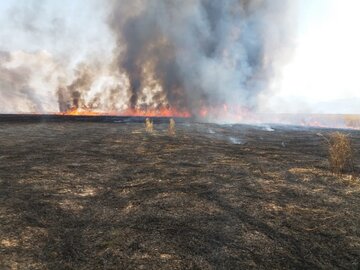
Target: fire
(235, 114)
(78, 112)
(163, 112)
(225, 112)
(317, 120)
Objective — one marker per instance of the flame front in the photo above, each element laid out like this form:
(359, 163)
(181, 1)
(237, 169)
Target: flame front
(164, 112)
(79, 112)
(231, 114)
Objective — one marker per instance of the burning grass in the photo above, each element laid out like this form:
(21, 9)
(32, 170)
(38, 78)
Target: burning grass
(161, 112)
(111, 196)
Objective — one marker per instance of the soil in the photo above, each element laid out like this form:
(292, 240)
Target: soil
(111, 196)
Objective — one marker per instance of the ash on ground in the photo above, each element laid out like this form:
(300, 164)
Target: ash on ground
(111, 196)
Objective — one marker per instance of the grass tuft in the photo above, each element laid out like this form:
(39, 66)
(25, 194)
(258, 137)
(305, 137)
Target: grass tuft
(172, 128)
(149, 125)
(340, 153)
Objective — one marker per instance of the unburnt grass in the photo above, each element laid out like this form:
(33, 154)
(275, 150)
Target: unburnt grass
(113, 196)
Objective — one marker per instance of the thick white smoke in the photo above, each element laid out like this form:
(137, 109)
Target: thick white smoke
(24, 79)
(110, 55)
(45, 45)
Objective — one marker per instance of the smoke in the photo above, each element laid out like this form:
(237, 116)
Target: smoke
(114, 55)
(23, 78)
(202, 52)
(56, 56)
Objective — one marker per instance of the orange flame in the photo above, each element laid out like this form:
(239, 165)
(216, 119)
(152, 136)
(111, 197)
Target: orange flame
(164, 112)
(78, 112)
(235, 114)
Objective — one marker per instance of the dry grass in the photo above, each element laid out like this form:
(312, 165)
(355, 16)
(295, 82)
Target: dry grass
(149, 125)
(340, 153)
(172, 128)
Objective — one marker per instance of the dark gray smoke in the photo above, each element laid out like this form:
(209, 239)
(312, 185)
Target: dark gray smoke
(202, 52)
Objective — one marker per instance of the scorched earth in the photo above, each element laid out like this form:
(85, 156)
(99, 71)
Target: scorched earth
(111, 196)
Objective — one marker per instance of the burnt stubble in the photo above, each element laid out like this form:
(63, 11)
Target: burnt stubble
(110, 196)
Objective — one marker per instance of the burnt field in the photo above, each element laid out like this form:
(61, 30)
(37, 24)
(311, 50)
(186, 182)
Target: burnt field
(110, 196)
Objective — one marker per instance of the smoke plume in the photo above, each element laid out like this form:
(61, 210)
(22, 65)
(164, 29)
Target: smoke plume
(165, 53)
(201, 52)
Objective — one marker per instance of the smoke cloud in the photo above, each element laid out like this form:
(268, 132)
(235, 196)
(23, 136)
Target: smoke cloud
(18, 80)
(142, 54)
(201, 52)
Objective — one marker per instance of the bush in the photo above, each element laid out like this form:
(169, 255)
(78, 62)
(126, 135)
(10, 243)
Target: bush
(340, 153)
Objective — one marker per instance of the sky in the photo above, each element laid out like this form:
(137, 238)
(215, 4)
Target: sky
(72, 28)
(323, 73)
(321, 76)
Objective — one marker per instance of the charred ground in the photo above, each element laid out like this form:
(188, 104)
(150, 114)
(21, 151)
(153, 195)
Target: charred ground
(110, 196)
